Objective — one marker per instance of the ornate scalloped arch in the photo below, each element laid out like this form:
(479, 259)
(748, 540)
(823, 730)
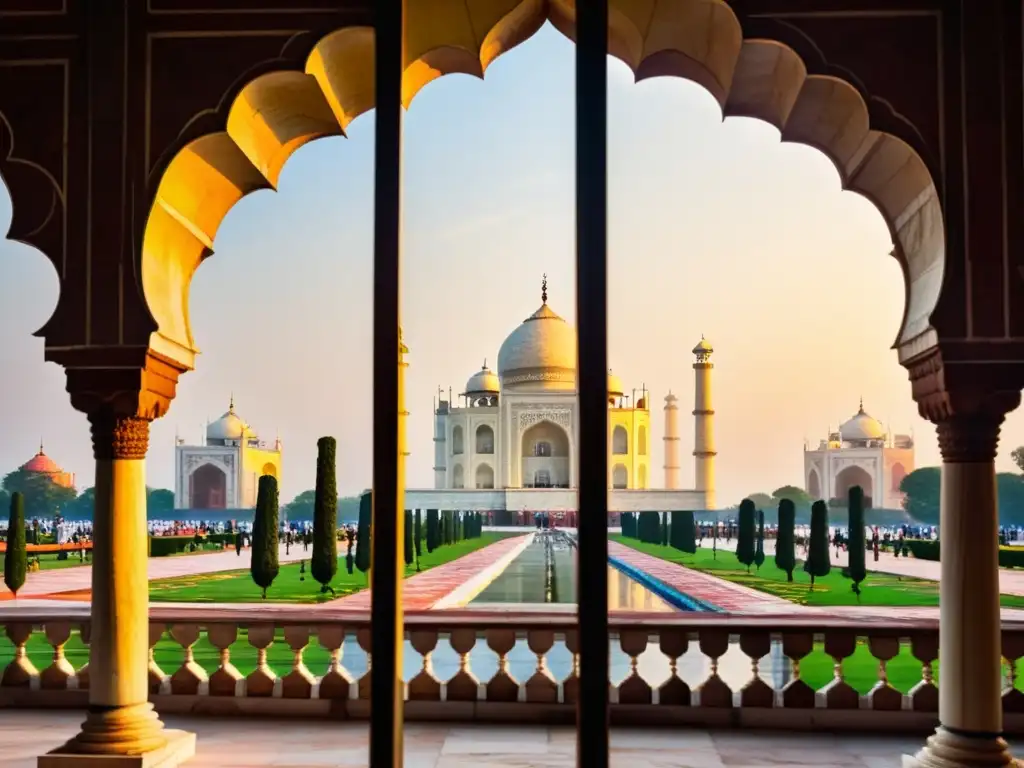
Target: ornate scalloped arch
(701, 40)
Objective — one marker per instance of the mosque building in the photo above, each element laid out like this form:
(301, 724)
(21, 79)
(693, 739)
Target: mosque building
(224, 472)
(863, 453)
(510, 442)
(41, 464)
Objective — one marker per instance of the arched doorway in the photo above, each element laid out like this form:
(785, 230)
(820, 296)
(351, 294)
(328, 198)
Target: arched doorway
(620, 477)
(641, 441)
(850, 477)
(484, 476)
(545, 456)
(458, 476)
(620, 441)
(484, 439)
(457, 440)
(898, 472)
(641, 476)
(208, 488)
(814, 485)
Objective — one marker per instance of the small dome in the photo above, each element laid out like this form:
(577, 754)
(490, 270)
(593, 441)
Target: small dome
(614, 385)
(862, 427)
(703, 347)
(542, 350)
(229, 426)
(41, 464)
(483, 382)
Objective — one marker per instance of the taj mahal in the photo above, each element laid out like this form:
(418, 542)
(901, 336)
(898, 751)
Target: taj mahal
(509, 442)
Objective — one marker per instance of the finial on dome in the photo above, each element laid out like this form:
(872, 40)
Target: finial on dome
(544, 289)
(40, 446)
(861, 404)
(231, 406)
(485, 365)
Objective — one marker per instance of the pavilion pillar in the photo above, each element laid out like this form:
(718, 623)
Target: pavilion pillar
(121, 727)
(970, 679)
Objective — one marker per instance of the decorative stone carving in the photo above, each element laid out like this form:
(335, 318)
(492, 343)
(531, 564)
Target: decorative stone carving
(561, 416)
(118, 437)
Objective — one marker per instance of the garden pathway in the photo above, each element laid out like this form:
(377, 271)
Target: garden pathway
(41, 584)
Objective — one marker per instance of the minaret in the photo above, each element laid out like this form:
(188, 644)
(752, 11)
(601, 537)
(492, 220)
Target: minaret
(704, 427)
(671, 439)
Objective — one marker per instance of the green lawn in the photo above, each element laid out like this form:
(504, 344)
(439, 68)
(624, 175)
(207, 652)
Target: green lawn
(879, 589)
(49, 561)
(291, 584)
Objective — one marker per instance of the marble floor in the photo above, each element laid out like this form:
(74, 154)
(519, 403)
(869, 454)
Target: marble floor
(235, 743)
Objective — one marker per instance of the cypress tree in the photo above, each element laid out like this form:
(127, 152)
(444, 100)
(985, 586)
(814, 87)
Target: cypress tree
(16, 556)
(628, 525)
(759, 552)
(418, 536)
(409, 549)
(431, 530)
(663, 519)
(856, 568)
(263, 566)
(745, 536)
(323, 562)
(785, 544)
(687, 537)
(364, 531)
(817, 563)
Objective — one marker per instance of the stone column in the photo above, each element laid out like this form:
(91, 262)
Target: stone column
(120, 720)
(970, 690)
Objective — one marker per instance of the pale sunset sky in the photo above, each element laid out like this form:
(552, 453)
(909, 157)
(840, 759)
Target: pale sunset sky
(715, 228)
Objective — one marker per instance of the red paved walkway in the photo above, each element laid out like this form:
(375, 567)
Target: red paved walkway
(423, 590)
(711, 589)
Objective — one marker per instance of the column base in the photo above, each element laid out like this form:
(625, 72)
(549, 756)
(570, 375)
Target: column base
(178, 747)
(945, 749)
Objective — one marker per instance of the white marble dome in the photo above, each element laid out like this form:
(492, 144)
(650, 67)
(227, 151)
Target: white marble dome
(541, 352)
(862, 427)
(229, 427)
(614, 385)
(483, 382)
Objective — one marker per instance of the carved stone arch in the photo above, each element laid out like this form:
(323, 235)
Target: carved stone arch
(814, 484)
(278, 111)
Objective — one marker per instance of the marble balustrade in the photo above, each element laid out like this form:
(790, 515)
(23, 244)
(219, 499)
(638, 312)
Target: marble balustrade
(710, 669)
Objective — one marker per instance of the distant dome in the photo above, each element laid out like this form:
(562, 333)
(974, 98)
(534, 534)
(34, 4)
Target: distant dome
(483, 382)
(862, 427)
(41, 464)
(614, 385)
(229, 427)
(703, 347)
(541, 351)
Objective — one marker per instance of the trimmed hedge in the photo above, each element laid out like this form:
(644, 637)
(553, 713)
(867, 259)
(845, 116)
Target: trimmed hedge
(926, 549)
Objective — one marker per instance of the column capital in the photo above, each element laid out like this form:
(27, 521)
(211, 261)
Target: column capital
(969, 429)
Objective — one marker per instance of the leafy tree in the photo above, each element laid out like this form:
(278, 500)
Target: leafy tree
(921, 494)
(364, 532)
(5, 499)
(408, 549)
(856, 568)
(745, 537)
(323, 563)
(16, 556)
(817, 563)
(761, 500)
(159, 502)
(1010, 495)
(759, 551)
(785, 544)
(1018, 457)
(264, 566)
(41, 496)
(418, 536)
(798, 496)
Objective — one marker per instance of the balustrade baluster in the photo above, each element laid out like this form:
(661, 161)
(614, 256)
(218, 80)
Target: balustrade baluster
(55, 677)
(299, 682)
(502, 687)
(797, 694)
(838, 694)
(19, 672)
(336, 683)
(82, 676)
(634, 689)
(156, 675)
(674, 692)
(713, 691)
(883, 696)
(424, 686)
(261, 681)
(924, 696)
(189, 676)
(363, 638)
(464, 685)
(756, 693)
(542, 686)
(226, 679)
(1012, 650)
(571, 684)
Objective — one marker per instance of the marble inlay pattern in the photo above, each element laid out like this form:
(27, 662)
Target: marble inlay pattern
(233, 743)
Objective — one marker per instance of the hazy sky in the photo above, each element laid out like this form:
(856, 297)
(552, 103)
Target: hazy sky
(715, 228)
